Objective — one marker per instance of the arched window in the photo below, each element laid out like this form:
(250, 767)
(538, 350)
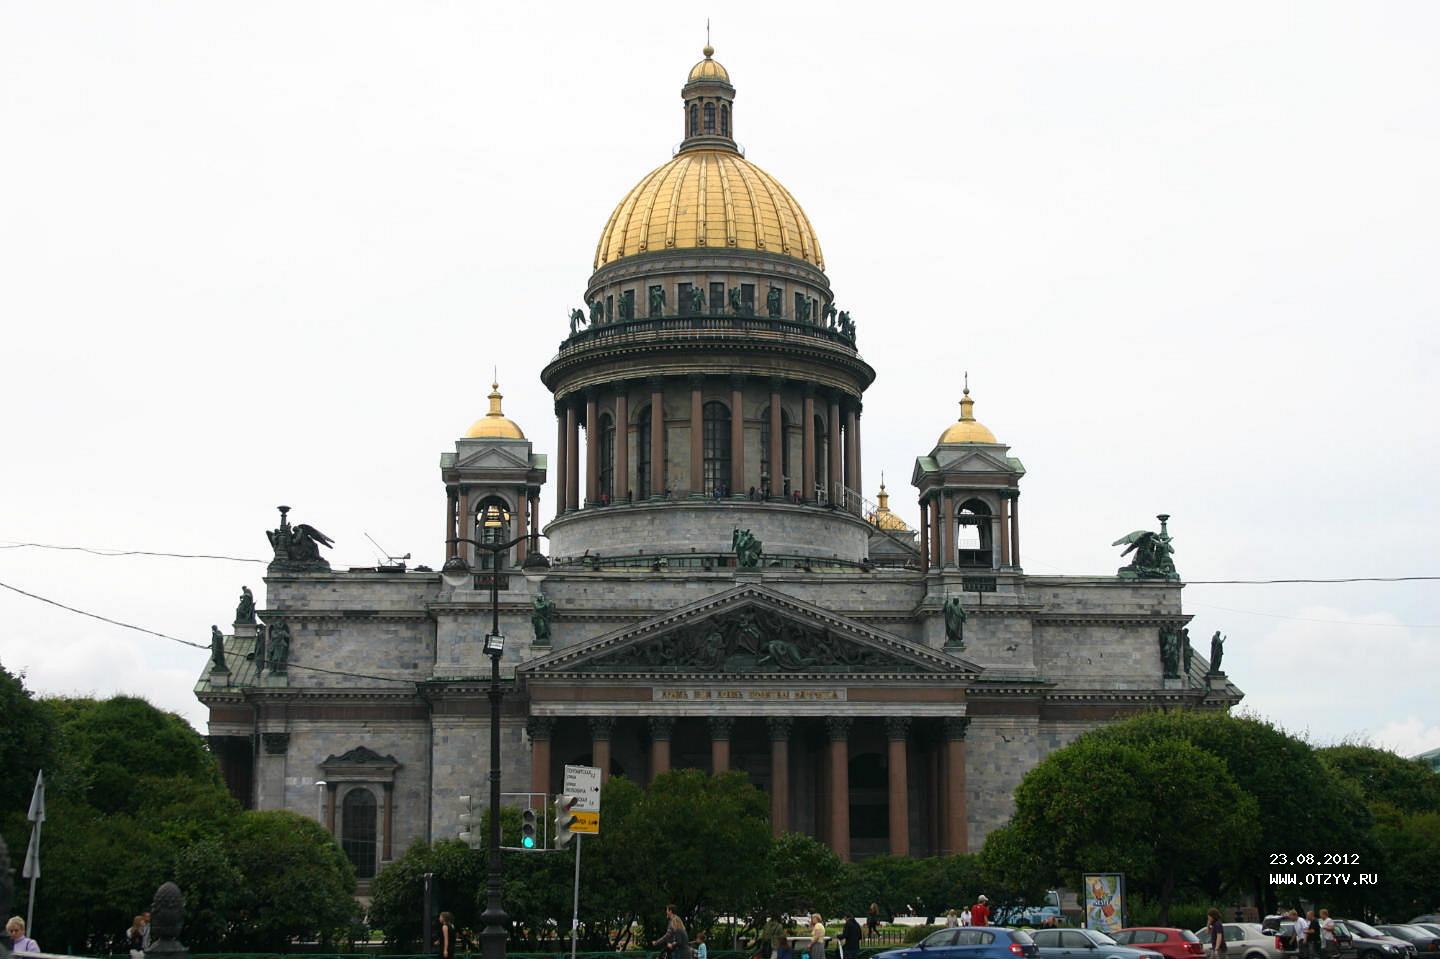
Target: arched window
(724, 120)
(492, 525)
(822, 462)
(607, 457)
(972, 535)
(642, 454)
(694, 120)
(709, 118)
(716, 418)
(357, 831)
(777, 483)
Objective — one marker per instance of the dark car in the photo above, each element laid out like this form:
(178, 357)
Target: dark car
(1170, 943)
(1085, 944)
(1371, 943)
(968, 942)
(1424, 941)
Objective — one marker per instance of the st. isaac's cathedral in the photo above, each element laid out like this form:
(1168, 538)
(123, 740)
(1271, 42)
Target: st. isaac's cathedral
(696, 579)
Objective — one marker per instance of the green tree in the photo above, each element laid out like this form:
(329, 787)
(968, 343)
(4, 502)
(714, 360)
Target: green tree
(805, 875)
(1385, 777)
(295, 882)
(398, 893)
(1014, 872)
(27, 741)
(1410, 880)
(1163, 811)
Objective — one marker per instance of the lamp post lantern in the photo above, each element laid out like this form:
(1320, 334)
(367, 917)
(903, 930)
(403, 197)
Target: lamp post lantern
(493, 521)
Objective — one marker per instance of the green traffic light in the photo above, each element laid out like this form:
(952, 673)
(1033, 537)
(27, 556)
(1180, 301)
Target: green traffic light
(528, 842)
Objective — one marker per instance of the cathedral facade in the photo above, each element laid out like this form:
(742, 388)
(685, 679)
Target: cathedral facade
(711, 589)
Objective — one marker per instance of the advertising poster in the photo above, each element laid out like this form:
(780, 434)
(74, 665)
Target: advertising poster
(1104, 897)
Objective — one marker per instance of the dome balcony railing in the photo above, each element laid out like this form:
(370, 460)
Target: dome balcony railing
(702, 327)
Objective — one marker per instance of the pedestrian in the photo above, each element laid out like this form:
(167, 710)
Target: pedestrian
(135, 938)
(446, 939)
(1217, 933)
(674, 942)
(965, 916)
(1312, 935)
(817, 936)
(19, 942)
(850, 937)
(1301, 930)
(952, 919)
(772, 939)
(872, 919)
(145, 937)
(702, 951)
(1329, 943)
(980, 912)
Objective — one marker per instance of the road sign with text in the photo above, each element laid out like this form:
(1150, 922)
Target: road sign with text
(583, 782)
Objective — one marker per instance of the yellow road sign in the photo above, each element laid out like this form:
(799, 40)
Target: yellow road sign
(587, 823)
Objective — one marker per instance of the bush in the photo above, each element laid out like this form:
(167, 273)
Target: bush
(915, 933)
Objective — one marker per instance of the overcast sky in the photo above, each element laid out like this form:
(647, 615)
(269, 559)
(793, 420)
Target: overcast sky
(269, 253)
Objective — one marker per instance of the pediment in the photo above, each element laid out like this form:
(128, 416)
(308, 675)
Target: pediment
(754, 631)
(493, 458)
(360, 756)
(973, 460)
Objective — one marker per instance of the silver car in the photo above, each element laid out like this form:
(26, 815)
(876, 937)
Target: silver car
(1084, 944)
(1245, 940)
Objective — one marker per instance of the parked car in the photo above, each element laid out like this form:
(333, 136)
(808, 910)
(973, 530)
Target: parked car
(1424, 941)
(1371, 943)
(1169, 942)
(968, 942)
(1245, 940)
(1044, 914)
(1085, 944)
(1428, 926)
(1430, 918)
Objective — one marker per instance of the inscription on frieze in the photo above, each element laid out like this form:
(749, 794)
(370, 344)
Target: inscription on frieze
(744, 694)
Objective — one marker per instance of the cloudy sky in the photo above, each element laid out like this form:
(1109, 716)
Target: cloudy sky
(269, 253)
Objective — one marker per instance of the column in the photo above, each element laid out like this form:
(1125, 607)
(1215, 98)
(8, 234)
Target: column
(1004, 530)
(924, 537)
(835, 471)
(956, 830)
(452, 507)
(807, 466)
(660, 730)
(535, 517)
(779, 773)
(572, 457)
(948, 555)
(852, 459)
(623, 486)
(540, 729)
(561, 464)
(839, 730)
(330, 789)
(387, 847)
(859, 482)
(777, 439)
(592, 448)
(737, 436)
(657, 439)
(467, 525)
(935, 531)
(897, 731)
(697, 437)
(720, 727)
(996, 535)
(1015, 529)
(600, 729)
(522, 523)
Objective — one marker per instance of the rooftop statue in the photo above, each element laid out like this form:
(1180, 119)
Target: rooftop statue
(802, 310)
(747, 549)
(297, 547)
(1187, 652)
(954, 622)
(1153, 553)
(577, 320)
(772, 301)
(1170, 652)
(245, 610)
(657, 301)
(1217, 652)
(278, 655)
(217, 649)
(830, 315)
(697, 299)
(597, 312)
(847, 326)
(542, 611)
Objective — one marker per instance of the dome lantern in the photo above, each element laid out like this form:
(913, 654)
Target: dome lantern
(967, 429)
(709, 106)
(494, 424)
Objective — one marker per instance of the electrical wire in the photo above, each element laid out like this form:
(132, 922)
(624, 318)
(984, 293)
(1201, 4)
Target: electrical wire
(129, 552)
(187, 642)
(1311, 619)
(1343, 579)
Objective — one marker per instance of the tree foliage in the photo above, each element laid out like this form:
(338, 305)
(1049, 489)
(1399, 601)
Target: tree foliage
(296, 884)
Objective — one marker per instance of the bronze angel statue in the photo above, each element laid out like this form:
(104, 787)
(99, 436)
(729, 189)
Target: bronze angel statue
(577, 320)
(299, 545)
(1153, 552)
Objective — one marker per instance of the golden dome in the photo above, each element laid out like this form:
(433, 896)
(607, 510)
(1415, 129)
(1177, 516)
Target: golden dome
(708, 198)
(493, 425)
(708, 69)
(882, 517)
(968, 430)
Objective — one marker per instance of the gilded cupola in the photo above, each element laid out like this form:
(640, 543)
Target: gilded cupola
(494, 424)
(967, 429)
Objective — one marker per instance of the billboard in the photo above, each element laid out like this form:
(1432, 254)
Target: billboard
(1104, 899)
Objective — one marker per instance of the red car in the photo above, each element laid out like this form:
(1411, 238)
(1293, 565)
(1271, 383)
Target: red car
(1170, 943)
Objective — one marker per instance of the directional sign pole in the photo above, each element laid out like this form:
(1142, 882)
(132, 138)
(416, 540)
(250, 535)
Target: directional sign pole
(575, 913)
(31, 870)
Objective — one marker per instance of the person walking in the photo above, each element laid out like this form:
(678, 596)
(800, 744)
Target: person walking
(1217, 933)
(702, 951)
(1329, 943)
(872, 920)
(965, 916)
(1301, 930)
(980, 912)
(674, 942)
(1312, 935)
(817, 937)
(772, 939)
(850, 938)
(446, 940)
(19, 942)
(952, 919)
(135, 938)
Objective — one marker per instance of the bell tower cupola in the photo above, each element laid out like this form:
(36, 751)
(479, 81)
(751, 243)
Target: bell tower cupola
(709, 106)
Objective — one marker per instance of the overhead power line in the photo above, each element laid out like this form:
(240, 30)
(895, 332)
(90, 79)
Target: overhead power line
(130, 552)
(191, 643)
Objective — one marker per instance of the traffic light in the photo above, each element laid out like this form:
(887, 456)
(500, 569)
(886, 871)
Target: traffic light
(467, 820)
(529, 836)
(564, 818)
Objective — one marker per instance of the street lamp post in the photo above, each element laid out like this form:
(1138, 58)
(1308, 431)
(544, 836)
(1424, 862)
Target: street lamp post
(455, 573)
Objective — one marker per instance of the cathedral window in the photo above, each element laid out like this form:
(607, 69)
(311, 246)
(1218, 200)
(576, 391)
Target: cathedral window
(822, 461)
(716, 420)
(607, 457)
(357, 831)
(717, 298)
(685, 299)
(777, 483)
(747, 298)
(709, 118)
(972, 535)
(694, 120)
(627, 305)
(724, 120)
(642, 454)
(609, 309)
(492, 525)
